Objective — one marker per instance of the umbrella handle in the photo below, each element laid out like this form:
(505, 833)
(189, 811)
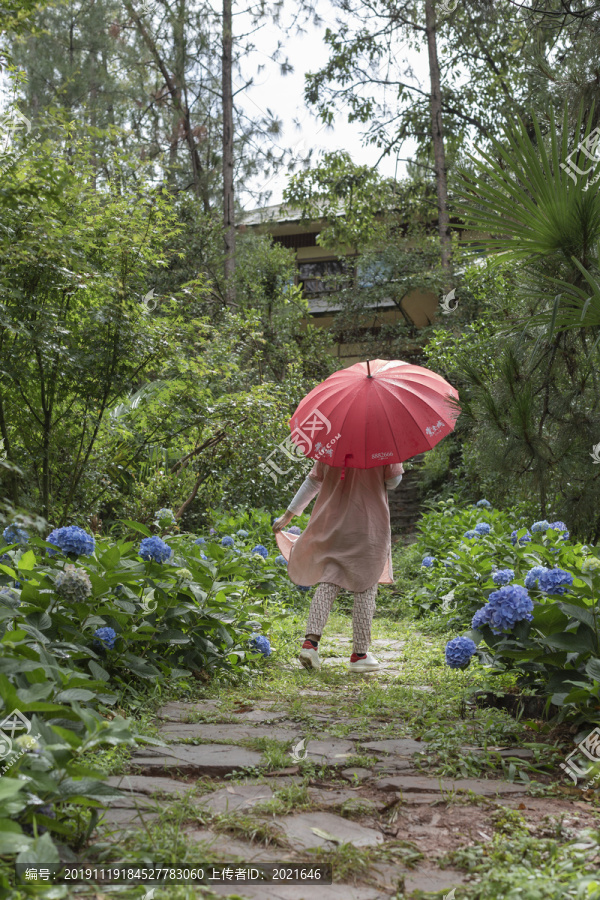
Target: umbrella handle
(346, 458)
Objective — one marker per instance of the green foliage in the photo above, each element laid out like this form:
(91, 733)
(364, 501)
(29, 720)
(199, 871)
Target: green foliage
(558, 653)
(191, 617)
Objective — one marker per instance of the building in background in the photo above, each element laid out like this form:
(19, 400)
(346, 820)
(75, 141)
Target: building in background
(318, 266)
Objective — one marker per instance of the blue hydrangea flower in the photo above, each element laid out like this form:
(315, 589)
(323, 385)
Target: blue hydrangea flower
(14, 535)
(154, 548)
(212, 531)
(453, 556)
(165, 515)
(484, 503)
(524, 539)
(241, 533)
(71, 539)
(294, 530)
(262, 550)
(203, 555)
(428, 561)
(507, 606)
(281, 560)
(555, 581)
(261, 643)
(544, 525)
(5, 559)
(503, 576)
(532, 576)
(480, 618)
(105, 637)
(200, 541)
(227, 541)
(459, 652)
(483, 528)
(303, 587)
(560, 526)
(470, 535)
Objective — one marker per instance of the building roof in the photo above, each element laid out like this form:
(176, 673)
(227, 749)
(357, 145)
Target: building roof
(279, 214)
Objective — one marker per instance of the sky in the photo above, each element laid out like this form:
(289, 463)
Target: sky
(284, 95)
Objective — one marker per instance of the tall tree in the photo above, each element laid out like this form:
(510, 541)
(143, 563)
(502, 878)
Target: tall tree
(228, 193)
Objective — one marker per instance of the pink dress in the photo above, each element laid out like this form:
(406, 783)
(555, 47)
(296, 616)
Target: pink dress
(348, 538)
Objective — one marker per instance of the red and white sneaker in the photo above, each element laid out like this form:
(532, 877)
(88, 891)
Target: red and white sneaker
(365, 662)
(309, 655)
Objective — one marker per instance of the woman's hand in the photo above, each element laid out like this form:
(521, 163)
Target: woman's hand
(282, 521)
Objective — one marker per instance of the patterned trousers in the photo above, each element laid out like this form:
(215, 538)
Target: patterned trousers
(362, 613)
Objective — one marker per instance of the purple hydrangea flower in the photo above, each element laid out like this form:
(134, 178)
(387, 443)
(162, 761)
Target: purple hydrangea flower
(294, 530)
(480, 618)
(532, 576)
(12, 534)
(261, 643)
(544, 525)
(105, 637)
(503, 576)
(507, 606)
(154, 548)
(459, 652)
(71, 539)
(524, 539)
(555, 581)
(261, 549)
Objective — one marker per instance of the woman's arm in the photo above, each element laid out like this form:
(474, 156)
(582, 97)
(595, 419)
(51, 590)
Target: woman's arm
(393, 476)
(308, 489)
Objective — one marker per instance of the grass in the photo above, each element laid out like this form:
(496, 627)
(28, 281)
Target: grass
(515, 863)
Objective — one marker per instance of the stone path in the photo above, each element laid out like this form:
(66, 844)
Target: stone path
(299, 780)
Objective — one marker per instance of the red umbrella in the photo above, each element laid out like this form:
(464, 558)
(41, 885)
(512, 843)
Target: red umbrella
(374, 413)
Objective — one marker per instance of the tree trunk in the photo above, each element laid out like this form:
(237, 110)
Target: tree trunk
(437, 133)
(228, 196)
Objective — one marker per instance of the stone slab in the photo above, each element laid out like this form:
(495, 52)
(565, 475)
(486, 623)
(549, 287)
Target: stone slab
(481, 786)
(260, 715)
(226, 847)
(236, 797)
(226, 733)
(121, 819)
(424, 879)
(142, 784)
(204, 759)
(397, 746)
(357, 774)
(334, 752)
(420, 799)
(177, 711)
(331, 799)
(298, 829)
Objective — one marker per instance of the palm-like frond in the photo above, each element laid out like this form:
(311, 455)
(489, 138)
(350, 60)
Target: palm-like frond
(525, 204)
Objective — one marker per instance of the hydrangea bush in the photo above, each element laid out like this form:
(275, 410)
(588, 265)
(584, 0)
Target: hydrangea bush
(529, 593)
(93, 620)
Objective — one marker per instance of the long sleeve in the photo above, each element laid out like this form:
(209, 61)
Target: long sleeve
(308, 489)
(391, 483)
(393, 476)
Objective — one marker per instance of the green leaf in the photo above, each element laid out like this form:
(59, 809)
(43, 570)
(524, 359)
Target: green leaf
(74, 694)
(137, 526)
(40, 852)
(27, 561)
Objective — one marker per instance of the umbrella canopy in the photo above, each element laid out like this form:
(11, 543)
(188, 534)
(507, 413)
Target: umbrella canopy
(374, 413)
